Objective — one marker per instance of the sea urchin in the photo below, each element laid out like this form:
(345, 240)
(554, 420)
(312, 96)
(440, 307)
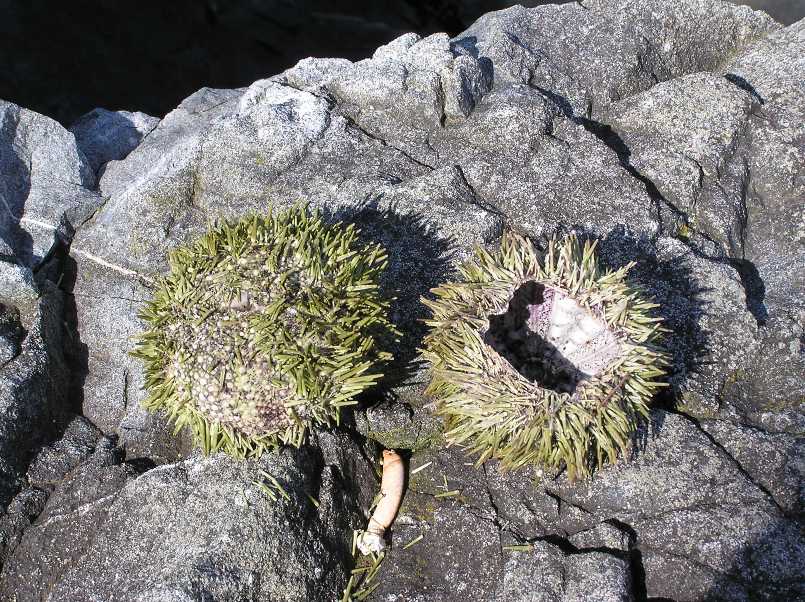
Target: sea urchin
(262, 328)
(549, 362)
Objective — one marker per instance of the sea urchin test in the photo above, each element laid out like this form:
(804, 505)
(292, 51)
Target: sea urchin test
(262, 328)
(549, 362)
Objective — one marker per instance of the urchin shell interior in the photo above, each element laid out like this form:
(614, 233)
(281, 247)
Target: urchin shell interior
(549, 361)
(550, 339)
(264, 327)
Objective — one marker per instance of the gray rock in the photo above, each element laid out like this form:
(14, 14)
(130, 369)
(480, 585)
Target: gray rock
(546, 574)
(17, 285)
(52, 463)
(107, 302)
(535, 576)
(688, 136)
(713, 332)
(595, 52)
(204, 522)
(775, 461)
(467, 519)
(105, 136)
(34, 394)
(771, 71)
(769, 391)
(20, 514)
(47, 185)
(55, 461)
(539, 166)
(411, 87)
(597, 576)
(458, 558)
(603, 535)
(687, 499)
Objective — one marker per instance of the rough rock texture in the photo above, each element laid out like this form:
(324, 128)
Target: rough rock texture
(105, 136)
(34, 388)
(47, 185)
(670, 131)
(207, 525)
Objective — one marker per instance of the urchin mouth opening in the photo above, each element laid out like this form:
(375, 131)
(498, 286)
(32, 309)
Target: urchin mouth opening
(550, 339)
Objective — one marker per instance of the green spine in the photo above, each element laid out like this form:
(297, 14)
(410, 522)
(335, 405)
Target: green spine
(494, 411)
(262, 328)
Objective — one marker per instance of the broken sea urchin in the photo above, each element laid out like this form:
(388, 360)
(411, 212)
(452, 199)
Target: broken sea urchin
(548, 362)
(262, 328)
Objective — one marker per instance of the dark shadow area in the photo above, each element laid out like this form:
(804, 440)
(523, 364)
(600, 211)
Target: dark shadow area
(754, 287)
(61, 268)
(419, 259)
(150, 58)
(15, 185)
(744, 85)
(513, 335)
(12, 333)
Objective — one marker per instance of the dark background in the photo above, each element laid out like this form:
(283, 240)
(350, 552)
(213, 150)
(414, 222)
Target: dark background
(66, 57)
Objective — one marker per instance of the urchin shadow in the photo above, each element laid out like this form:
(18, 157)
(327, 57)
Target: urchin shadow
(419, 259)
(671, 285)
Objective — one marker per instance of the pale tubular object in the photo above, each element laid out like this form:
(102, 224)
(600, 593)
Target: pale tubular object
(391, 492)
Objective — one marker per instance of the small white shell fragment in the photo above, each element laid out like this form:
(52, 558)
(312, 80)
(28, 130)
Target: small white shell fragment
(369, 542)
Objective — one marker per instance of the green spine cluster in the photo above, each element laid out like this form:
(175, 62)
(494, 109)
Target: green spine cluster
(492, 409)
(262, 328)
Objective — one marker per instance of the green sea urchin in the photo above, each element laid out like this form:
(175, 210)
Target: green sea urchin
(547, 362)
(262, 328)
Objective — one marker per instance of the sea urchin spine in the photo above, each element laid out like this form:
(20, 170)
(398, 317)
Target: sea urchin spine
(262, 328)
(550, 362)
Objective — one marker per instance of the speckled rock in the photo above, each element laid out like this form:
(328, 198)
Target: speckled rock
(46, 188)
(597, 51)
(204, 522)
(692, 504)
(771, 71)
(695, 156)
(774, 461)
(105, 136)
(34, 393)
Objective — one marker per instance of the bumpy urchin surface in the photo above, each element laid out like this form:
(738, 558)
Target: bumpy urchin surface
(262, 328)
(546, 361)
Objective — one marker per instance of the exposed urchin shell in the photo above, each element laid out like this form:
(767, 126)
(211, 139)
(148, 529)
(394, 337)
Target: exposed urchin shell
(546, 361)
(262, 328)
